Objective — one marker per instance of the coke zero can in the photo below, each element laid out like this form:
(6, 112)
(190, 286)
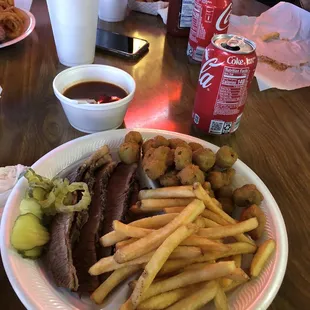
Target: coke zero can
(225, 76)
(209, 17)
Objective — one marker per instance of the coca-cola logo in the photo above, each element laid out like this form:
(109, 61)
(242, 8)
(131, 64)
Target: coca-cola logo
(223, 20)
(234, 60)
(205, 77)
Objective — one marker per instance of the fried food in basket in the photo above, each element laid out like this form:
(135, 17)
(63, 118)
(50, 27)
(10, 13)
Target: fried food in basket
(4, 5)
(174, 143)
(219, 179)
(247, 195)
(191, 174)
(226, 157)
(204, 159)
(134, 137)
(170, 178)
(129, 152)
(182, 157)
(255, 211)
(160, 141)
(195, 146)
(11, 21)
(186, 262)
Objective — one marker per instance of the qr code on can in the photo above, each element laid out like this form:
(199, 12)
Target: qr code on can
(227, 127)
(216, 127)
(189, 51)
(196, 118)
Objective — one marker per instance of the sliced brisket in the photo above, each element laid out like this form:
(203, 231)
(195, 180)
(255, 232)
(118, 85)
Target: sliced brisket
(65, 228)
(85, 250)
(59, 254)
(119, 196)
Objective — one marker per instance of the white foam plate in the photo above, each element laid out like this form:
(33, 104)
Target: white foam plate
(35, 287)
(30, 23)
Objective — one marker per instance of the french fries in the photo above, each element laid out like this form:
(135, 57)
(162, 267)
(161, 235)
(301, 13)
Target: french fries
(174, 209)
(260, 258)
(220, 300)
(121, 244)
(168, 192)
(205, 244)
(107, 264)
(158, 259)
(210, 223)
(209, 203)
(238, 275)
(214, 217)
(154, 239)
(112, 281)
(225, 282)
(197, 299)
(235, 248)
(131, 231)
(164, 300)
(158, 204)
(185, 258)
(229, 230)
(198, 265)
(185, 278)
(186, 252)
(153, 222)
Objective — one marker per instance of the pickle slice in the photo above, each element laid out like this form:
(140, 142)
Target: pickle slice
(33, 253)
(28, 233)
(30, 205)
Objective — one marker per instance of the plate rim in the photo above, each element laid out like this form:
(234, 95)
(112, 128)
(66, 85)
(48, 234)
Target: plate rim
(30, 303)
(25, 34)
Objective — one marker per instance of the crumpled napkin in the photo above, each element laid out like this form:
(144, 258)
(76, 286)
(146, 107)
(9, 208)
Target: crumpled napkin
(152, 8)
(293, 24)
(9, 176)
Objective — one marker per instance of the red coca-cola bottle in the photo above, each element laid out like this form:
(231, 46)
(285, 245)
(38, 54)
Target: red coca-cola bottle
(209, 17)
(180, 17)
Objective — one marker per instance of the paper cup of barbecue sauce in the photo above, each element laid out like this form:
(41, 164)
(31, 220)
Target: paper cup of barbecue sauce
(94, 97)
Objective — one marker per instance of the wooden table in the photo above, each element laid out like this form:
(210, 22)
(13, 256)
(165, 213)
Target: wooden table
(273, 138)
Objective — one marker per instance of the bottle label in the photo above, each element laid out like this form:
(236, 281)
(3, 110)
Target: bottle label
(186, 12)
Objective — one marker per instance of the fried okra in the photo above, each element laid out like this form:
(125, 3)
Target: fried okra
(182, 157)
(134, 137)
(159, 156)
(226, 157)
(224, 192)
(174, 143)
(191, 174)
(147, 145)
(255, 211)
(204, 158)
(155, 168)
(169, 179)
(247, 195)
(195, 146)
(208, 188)
(227, 204)
(160, 141)
(219, 179)
(129, 153)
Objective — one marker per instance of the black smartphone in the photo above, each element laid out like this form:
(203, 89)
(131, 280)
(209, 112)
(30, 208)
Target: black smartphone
(118, 44)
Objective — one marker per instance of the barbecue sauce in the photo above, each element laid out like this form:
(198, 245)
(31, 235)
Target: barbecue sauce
(101, 92)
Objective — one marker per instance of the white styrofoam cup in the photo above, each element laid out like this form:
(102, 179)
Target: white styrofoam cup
(74, 24)
(92, 118)
(112, 10)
